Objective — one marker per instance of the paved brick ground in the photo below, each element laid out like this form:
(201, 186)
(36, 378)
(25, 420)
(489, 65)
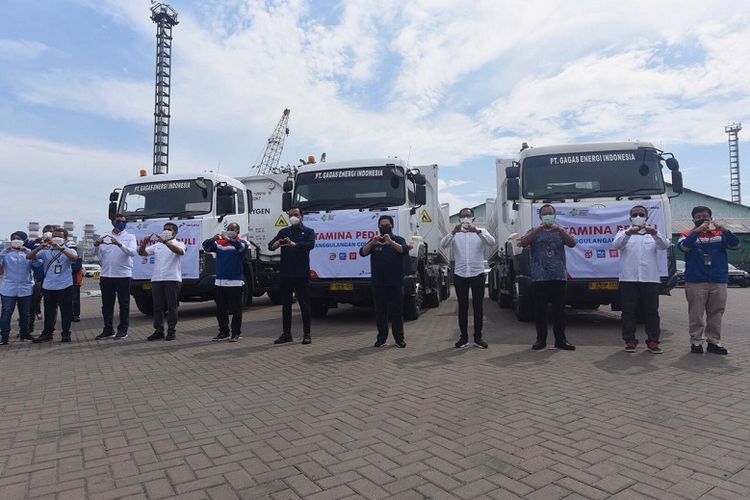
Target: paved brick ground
(341, 419)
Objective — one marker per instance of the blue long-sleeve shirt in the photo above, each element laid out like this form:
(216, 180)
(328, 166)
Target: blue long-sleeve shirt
(295, 260)
(706, 258)
(229, 258)
(18, 277)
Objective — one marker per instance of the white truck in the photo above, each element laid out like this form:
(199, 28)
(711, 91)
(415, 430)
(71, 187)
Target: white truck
(201, 205)
(593, 187)
(342, 202)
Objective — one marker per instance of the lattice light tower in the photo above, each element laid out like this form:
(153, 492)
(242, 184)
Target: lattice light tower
(272, 154)
(734, 160)
(165, 18)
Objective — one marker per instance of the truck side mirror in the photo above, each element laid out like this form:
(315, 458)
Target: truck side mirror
(512, 189)
(419, 179)
(672, 164)
(420, 194)
(677, 181)
(114, 195)
(286, 200)
(249, 201)
(513, 172)
(112, 209)
(288, 186)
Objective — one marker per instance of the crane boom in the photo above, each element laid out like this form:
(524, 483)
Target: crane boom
(272, 154)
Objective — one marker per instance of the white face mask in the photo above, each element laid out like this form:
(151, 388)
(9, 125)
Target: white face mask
(638, 221)
(47, 236)
(58, 241)
(16, 243)
(166, 235)
(293, 220)
(465, 221)
(231, 234)
(548, 219)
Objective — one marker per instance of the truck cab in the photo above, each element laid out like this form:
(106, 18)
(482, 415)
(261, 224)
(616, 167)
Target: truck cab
(202, 205)
(593, 187)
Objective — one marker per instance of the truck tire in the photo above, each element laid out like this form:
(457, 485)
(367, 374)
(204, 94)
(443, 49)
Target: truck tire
(492, 290)
(413, 304)
(504, 300)
(522, 306)
(432, 300)
(145, 304)
(318, 308)
(275, 296)
(445, 290)
(247, 295)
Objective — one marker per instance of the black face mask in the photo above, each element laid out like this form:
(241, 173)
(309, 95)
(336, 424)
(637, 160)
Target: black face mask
(385, 230)
(699, 222)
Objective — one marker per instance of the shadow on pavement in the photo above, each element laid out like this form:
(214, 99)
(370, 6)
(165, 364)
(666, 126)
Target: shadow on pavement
(431, 359)
(707, 363)
(621, 362)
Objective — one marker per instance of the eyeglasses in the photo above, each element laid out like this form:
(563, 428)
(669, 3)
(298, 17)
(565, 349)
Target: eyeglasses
(639, 214)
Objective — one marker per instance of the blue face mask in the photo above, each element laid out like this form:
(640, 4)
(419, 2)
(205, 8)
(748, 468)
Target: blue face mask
(120, 226)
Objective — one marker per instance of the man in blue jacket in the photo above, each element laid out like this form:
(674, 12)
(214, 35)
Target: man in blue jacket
(706, 277)
(295, 242)
(230, 278)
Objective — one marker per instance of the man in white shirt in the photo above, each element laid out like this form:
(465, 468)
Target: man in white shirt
(166, 279)
(639, 247)
(116, 251)
(468, 244)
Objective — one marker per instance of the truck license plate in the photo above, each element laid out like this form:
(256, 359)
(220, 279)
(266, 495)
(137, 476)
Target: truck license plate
(604, 285)
(342, 287)
(147, 286)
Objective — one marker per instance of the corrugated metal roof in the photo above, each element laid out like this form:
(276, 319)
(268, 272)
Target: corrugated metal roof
(734, 225)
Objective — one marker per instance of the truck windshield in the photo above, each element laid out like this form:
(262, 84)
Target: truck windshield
(592, 174)
(369, 187)
(161, 199)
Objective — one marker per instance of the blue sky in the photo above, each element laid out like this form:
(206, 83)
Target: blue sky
(439, 81)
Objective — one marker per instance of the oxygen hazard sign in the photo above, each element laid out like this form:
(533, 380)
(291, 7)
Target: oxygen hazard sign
(281, 222)
(426, 217)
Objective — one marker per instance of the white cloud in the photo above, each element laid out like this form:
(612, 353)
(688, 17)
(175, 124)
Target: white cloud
(20, 50)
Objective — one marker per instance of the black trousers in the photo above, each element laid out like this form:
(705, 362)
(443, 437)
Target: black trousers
(644, 297)
(75, 295)
(115, 289)
(298, 286)
(549, 292)
(36, 303)
(462, 286)
(389, 306)
(166, 295)
(54, 299)
(229, 301)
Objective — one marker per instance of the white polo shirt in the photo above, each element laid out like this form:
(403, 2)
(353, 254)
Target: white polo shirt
(468, 251)
(167, 264)
(639, 256)
(117, 262)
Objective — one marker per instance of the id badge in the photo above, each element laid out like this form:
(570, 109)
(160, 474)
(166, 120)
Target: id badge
(58, 268)
(706, 258)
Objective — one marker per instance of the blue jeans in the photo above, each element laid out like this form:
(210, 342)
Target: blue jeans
(24, 314)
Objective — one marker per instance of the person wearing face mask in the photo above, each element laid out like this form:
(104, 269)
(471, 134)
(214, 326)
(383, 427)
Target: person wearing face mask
(56, 260)
(230, 251)
(706, 277)
(17, 287)
(468, 244)
(547, 243)
(116, 251)
(639, 247)
(388, 254)
(37, 296)
(295, 242)
(77, 269)
(166, 278)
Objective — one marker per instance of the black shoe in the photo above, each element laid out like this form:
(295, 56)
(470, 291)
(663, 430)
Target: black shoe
(155, 336)
(65, 339)
(170, 336)
(480, 343)
(565, 346)
(4, 341)
(716, 348)
(121, 335)
(696, 349)
(235, 337)
(306, 339)
(25, 337)
(381, 343)
(539, 345)
(462, 342)
(284, 339)
(76, 319)
(220, 337)
(105, 335)
(45, 337)
(401, 344)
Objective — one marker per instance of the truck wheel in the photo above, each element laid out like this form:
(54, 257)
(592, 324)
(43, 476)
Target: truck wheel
(413, 304)
(275, 296)
(522, 306)
(145, 304)
(492, 291)
(432, 300)
(505, 300)
(318, 308)
(445, 290)
(247, 295)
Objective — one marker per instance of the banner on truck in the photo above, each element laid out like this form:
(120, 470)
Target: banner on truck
(595, 228)
(189, 232)
(338, 238)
